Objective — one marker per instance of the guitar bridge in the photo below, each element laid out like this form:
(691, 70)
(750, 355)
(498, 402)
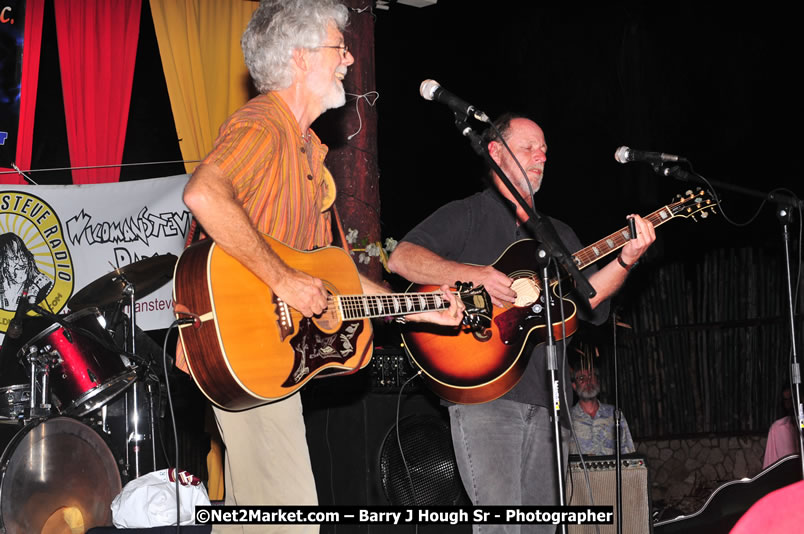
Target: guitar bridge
(284, 321)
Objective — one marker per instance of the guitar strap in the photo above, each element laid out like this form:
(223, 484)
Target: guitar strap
(196, 233)
(338, 235)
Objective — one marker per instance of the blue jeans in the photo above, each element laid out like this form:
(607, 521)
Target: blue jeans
(506, 456)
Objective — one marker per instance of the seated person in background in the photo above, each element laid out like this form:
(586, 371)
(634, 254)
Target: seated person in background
(593, 421)
(783, 434)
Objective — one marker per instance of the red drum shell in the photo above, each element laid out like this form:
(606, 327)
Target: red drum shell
(88, 373)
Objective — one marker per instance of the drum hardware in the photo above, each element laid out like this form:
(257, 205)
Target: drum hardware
(15, 404)
(74, 367)
(129, 425)
(77, 363)
(126, 285)
(39, 384)
(138, 434)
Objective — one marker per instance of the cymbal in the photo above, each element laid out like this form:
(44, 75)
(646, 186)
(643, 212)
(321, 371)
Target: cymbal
(145, 275)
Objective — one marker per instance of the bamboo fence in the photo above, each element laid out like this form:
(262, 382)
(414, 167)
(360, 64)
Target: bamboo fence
(708, 346)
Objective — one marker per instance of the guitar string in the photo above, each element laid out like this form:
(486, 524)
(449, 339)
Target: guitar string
(353, 306)
(657, 218)
(587, 257)
(380, 306)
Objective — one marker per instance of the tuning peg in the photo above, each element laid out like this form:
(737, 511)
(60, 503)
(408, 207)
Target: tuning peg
(463, 286)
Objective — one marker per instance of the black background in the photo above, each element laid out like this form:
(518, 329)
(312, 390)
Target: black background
(719, 87)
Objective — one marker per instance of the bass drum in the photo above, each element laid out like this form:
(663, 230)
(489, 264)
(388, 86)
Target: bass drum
(55, 474)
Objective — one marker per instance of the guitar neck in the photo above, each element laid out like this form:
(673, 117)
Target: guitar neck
(600, 249)
(353, 307)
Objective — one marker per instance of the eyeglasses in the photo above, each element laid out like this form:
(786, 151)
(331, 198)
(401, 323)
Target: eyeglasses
(343, 48)
(584, 378)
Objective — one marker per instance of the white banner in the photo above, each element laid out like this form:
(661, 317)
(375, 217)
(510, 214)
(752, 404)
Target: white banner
(56, 240)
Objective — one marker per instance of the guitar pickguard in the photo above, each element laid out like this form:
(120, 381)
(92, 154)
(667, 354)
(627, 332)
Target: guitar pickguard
(313, 348)
(514, 323)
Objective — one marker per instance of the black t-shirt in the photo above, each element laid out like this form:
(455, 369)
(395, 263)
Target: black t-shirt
(478, 229)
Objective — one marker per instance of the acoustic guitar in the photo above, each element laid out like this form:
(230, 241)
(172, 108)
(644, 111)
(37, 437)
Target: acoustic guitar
(247, 347)
(480, 364)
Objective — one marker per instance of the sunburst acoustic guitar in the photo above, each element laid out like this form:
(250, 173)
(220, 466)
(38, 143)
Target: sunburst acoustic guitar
(482, 363)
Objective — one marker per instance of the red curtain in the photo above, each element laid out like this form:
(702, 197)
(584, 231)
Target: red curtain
(97, 42)
(32, 46)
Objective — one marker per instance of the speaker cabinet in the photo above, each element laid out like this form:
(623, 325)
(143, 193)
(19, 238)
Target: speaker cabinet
(354, 436)
(636, 512)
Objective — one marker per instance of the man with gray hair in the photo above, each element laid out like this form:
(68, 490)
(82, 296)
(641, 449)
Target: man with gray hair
(593, 421)
(266, 175)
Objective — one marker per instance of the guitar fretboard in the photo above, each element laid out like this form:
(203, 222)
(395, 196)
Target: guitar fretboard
(609, 244)
(394, 304)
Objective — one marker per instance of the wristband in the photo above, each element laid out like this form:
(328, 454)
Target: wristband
(623, 264)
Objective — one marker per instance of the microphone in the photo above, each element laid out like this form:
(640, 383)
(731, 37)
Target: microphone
(680, 174)
(625, 155)
(432, 90)
(15, 325)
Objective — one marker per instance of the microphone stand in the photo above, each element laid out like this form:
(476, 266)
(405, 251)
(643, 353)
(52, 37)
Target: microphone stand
(785, 216)
(684, 176)
(550, 247)
(618, 468)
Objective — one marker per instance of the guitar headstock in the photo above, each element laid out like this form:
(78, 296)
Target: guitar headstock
(478, 305)
(693, 203)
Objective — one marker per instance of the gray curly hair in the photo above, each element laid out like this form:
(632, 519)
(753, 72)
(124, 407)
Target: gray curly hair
(277, 28)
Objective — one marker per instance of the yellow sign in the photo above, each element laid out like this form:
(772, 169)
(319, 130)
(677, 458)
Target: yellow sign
(34, 257)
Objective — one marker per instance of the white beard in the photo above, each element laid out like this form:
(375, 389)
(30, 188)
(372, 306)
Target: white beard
(589, 394)
(335, 98)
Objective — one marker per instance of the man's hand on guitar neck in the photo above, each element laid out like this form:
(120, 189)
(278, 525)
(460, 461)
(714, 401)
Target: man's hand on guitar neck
(421, 266)
(451, 316)
(611, 277)
(637, 245)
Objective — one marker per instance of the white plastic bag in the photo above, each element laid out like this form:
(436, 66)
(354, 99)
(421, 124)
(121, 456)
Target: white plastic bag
(150, 500)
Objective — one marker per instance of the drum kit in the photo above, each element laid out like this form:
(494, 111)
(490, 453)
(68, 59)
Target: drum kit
(78, 413)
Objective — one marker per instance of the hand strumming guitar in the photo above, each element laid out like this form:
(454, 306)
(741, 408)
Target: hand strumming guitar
(301, 292)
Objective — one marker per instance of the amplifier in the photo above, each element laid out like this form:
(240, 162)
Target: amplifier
(602, 481)
(390, 369)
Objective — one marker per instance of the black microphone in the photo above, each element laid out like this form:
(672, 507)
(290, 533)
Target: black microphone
(15, 325)
(625, 155)
(680, 174)
(432, 90)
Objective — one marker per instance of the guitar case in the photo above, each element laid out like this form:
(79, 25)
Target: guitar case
(729, 502)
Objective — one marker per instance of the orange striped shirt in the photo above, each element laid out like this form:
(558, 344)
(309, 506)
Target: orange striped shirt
(262, 151)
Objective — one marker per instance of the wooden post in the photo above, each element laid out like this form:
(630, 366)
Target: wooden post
(353, 162)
